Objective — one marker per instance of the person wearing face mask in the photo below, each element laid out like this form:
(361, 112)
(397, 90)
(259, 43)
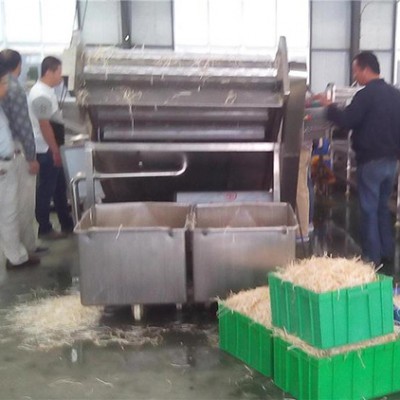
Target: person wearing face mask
(374, 117)
(47, 120)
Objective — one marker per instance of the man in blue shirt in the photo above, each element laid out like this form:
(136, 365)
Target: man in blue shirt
(374, 117)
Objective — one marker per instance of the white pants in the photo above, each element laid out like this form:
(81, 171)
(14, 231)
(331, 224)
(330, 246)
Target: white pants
(10, 243)
(26, 192)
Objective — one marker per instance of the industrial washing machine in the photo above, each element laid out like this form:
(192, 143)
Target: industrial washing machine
(167, 126)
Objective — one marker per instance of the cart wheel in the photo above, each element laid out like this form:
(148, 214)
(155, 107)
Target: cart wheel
(137, 312)
(179, 306)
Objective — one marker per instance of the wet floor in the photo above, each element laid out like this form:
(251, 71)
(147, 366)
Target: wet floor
(181, 359)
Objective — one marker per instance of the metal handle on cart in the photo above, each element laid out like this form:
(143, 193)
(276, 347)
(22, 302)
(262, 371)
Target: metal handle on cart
(112, 175)
(74, 183)
(74, 186)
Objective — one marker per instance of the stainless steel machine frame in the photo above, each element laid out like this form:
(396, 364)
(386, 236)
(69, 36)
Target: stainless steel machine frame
(164, 123)
(160, 97)
(179, 148)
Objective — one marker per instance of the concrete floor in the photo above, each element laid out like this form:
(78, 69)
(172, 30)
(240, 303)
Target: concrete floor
(187, 364)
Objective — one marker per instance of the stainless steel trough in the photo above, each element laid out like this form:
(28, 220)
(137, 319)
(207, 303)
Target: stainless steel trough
(133, 253)
(234, 245)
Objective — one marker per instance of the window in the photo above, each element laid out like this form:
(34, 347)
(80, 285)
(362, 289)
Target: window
(340, 29)
(44, 27)
(330, 43)
(241, 26)
(57, 21)
(16, 22)
(106, 32)
(377, 33)
(151, 23)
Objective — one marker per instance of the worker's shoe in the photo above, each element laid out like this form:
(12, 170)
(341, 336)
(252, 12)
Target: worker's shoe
(41, 250)
(30, 262)
(67, 229)
(67, 232)
(302, 239)
(53, 235)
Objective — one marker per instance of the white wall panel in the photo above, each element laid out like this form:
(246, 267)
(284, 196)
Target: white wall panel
(397, 51)
(331, 24)
(151, 22)
(191, 23)
(57, 20)
(259, 23)
(2, 22)
(376, 25)
(293, 22)
(385, 62)
(102, 22)
(225, 23)
(329, 67)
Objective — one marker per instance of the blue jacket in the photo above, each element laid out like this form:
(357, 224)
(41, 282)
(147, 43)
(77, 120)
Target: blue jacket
(374, 117)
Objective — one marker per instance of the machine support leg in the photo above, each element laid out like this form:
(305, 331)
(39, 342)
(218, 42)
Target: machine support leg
(137, 312)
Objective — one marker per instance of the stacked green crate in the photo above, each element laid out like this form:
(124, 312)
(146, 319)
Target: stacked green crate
(246, 340)
(243, 336)
(359, 374)
(333, 319)
(325, 321)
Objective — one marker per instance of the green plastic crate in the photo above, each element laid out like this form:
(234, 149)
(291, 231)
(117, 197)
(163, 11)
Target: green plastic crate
(246, 340)
(332, 319)
(362, 374)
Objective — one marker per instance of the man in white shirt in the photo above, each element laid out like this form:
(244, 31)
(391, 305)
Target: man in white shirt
(10, 243)
(46, 116)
